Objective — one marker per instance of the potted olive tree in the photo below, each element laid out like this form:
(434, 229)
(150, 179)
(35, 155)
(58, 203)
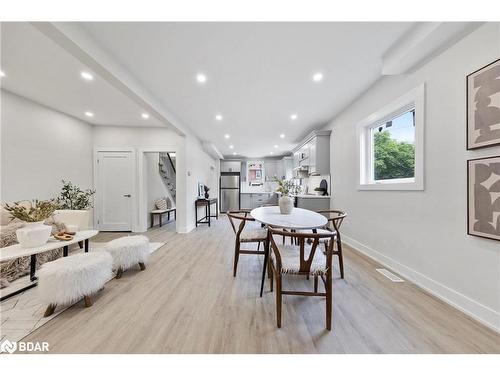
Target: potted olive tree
(74, 207)
(34, 213)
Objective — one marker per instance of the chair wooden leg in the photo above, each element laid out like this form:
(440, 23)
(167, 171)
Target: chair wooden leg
(272, 278)
(316, 284)
(328, 289)
(278, 299)
(88, 301)
(80, 243)
(50, 310)
(341, 259)
(119, 272)
(236, 257)
(142, 266)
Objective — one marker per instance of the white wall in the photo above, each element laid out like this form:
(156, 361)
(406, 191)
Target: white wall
(40, 147)
(155, 186)
(200, 167)
(193, 164)
(422, 234)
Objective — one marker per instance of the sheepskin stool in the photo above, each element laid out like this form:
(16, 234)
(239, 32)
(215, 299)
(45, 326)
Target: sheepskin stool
(66, 280)
(127, 252)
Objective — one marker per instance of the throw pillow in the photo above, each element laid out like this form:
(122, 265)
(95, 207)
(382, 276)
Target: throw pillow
(161, 204)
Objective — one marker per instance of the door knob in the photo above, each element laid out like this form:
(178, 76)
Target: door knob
(127, 195)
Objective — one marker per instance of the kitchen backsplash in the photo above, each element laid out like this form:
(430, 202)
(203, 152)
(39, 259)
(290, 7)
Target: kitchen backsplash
(312, 183)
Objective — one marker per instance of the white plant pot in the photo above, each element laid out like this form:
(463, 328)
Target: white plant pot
(33, 234)
(286, 204)
(77, 218)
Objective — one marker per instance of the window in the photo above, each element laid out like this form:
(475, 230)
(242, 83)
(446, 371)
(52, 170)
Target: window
(391, 145)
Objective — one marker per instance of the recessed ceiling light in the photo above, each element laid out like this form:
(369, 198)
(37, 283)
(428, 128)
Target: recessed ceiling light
(89, 114)
(231, 146)
(293, 116)
(87, 76)
(201, 78)
(234, 153)
(218, 117)
(145, 116)
(226, 136)
(272, 153)
(2, 74)
(275, 146)
(318, 77)
(282, 136)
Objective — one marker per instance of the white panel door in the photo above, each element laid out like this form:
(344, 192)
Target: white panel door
(114, 190)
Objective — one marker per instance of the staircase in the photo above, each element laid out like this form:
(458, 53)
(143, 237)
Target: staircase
(166, 168)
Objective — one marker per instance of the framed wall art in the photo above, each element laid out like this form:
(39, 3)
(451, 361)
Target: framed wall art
(483, 190)
(483, 107)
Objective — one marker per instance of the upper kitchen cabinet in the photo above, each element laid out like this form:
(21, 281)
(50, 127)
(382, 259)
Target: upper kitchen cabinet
(312, 156)
(287, 163)
(230, 166)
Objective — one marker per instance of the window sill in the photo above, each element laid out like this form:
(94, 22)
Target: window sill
(403, 186)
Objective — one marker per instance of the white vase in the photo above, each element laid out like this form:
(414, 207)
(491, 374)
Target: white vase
(286, 204)
(33, 234)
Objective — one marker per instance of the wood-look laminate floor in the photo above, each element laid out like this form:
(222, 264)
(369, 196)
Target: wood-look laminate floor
(187, 301)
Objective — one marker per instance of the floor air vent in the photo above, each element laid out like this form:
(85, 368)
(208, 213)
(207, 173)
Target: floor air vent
(390, 275)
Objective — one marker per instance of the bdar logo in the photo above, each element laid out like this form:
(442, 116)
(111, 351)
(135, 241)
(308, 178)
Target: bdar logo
(8, 346)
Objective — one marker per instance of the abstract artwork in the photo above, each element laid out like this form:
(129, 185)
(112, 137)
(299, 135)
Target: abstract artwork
(484, 197)
(483, 106)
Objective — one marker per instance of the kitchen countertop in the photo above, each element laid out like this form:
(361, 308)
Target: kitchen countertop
(312, 196)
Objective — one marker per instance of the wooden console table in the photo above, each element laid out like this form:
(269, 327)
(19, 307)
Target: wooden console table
(207, 203)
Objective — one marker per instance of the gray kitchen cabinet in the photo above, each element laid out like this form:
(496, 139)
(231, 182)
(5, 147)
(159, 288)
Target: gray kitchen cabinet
(319, 155)
(271, 170)
(259, 199)
(312, 157)
(246, 201)
(230, 166)
(287, 163)
(314, 204)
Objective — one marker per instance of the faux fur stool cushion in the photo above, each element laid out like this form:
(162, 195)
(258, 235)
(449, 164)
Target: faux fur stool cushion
(129, 251)
(66, 280)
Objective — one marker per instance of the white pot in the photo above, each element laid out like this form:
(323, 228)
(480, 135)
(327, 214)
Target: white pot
(77, 219)
(286, 204)
(33, 234)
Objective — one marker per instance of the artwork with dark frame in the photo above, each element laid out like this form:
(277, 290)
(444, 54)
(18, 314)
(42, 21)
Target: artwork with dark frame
(483, 106)
(483, 204)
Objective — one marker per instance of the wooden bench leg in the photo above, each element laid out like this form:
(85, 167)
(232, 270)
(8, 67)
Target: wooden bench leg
(88, 301)
(142, 265)
(119, 272)
(50, 310)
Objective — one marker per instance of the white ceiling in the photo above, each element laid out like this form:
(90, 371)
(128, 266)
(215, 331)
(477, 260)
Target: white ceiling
(42, 71)
(258, 74)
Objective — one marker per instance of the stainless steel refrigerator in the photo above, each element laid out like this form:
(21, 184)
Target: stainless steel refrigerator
(229, 191)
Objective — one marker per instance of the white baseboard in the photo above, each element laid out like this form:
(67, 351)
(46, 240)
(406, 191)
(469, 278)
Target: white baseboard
(474, 309)
(186, 229)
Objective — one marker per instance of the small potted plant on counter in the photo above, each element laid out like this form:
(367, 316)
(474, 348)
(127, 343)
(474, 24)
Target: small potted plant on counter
(74, 207)
(35, 232)
(285, 202)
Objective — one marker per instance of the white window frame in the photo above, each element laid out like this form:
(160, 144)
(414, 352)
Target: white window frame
(415, 99)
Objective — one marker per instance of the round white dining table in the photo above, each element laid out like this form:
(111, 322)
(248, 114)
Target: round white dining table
(298, 219)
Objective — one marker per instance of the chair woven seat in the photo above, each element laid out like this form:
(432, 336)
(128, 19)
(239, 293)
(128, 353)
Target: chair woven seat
(290, 260)
(253, 234)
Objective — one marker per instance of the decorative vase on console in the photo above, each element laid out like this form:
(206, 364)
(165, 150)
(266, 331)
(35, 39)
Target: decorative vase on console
(35, 233)
(285, 203)
(206, 191)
